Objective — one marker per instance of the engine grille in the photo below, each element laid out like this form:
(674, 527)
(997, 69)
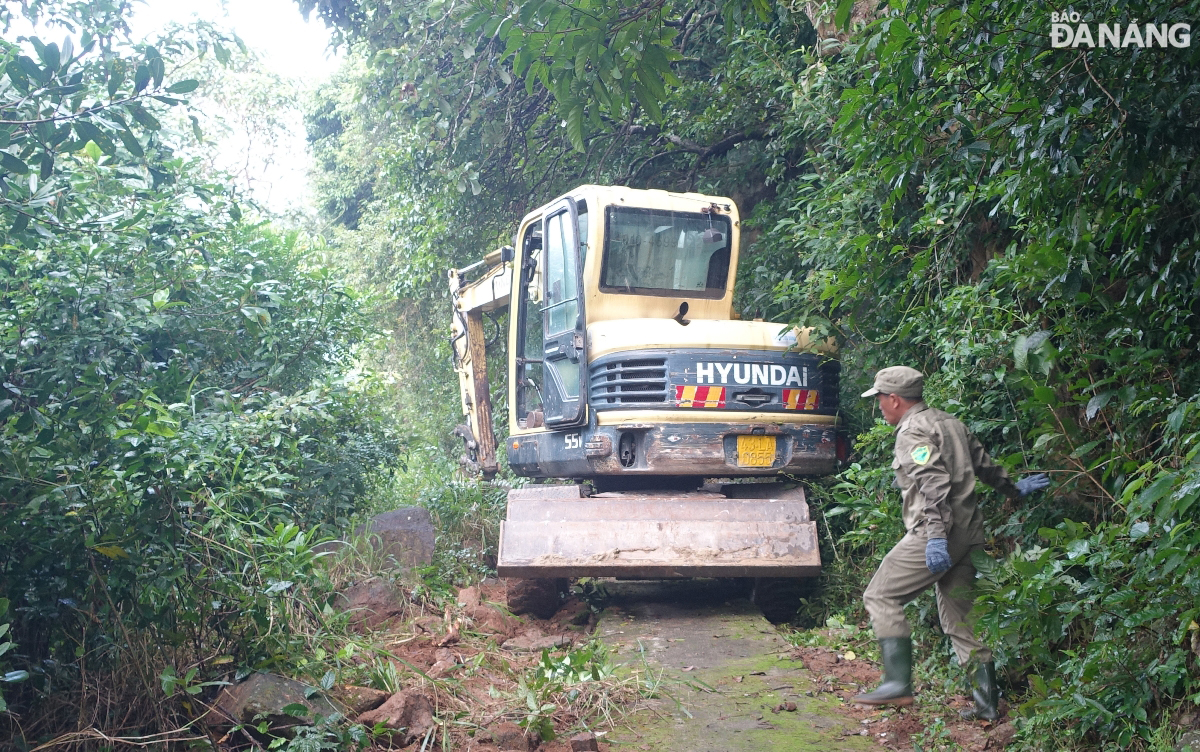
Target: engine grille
(630, 382)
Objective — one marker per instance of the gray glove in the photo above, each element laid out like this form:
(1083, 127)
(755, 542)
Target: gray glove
(937, 556)
(1032, 483)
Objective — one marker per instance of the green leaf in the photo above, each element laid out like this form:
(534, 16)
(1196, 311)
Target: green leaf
(68, 52)
(145, 118)
(92, 150)
(13, 164)
(165, 430)
(141, 78)
(33, 70)
(296, 710)
(157, 71)
(842, 17)
(183, 87)
(131, 221)
(1097, 403)
(1146, 500)
(1021, 353)
(647, 100)
(1044, 394)
(87, 131)
(575, 127)
(278, 587)
(116, 77)
(131, 143)
(49, 56)
(1044, 439)
(1175, 419)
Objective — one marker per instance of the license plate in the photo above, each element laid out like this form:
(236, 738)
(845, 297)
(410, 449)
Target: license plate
(755, 451)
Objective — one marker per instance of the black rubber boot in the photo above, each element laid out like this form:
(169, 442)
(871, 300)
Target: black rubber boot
(896, 688)
(986, 694)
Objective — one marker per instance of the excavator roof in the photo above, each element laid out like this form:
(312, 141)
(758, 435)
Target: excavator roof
(648, 197)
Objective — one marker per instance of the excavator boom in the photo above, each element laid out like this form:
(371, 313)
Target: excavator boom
(471, 299)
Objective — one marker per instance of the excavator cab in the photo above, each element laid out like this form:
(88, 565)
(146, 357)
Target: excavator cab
(656, 426)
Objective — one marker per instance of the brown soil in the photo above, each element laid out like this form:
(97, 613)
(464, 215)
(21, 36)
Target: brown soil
(458, 660)
(894, 728)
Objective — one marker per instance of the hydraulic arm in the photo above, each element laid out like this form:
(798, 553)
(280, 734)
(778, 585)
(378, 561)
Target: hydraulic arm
(471, 299)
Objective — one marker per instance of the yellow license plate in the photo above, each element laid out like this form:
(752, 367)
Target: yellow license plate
(755, 451)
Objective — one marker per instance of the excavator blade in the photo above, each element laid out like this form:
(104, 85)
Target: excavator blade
(555, 531)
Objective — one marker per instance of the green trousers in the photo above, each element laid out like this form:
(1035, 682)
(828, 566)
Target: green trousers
(902, 576)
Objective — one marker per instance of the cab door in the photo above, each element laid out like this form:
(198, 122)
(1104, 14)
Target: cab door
(565, 349)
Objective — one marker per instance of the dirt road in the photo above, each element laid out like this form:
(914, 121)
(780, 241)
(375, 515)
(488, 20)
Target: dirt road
(728, 681)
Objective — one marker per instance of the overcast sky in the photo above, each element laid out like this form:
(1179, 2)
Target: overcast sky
(274, 28)
(287, 45)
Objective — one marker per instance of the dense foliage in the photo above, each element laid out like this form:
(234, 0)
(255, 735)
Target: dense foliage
(180, 414)
(946, 190)
(1029, 214)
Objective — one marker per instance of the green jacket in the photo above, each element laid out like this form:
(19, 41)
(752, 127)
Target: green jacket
(937, 462)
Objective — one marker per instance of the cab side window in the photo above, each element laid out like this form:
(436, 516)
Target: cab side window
(531, 348)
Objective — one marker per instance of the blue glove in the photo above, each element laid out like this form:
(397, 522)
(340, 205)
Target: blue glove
(1026, 486)
(937, 556)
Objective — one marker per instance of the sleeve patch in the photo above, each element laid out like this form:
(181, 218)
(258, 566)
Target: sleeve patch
(920, 455)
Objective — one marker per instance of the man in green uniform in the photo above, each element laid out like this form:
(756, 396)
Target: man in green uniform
(936, 463)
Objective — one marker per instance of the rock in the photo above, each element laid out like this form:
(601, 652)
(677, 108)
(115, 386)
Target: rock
(407, 710)
(444, 662)
(1000, 736)
(358, 699)
(405, 534)
(452, 637)
(532, 643)
(441, 668)
(486, 618)
(585, 742)
(509, 735)
(264, 696)
(372, 603)
(430, 625)
(470, 597)
(539, 597)
(1190, 739)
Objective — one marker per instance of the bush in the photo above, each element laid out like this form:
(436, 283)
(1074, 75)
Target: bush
(180, 413)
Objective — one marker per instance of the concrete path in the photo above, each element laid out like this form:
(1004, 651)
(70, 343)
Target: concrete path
(725, 671)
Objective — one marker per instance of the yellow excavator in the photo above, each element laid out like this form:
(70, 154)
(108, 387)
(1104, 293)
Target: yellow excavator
(629, 376)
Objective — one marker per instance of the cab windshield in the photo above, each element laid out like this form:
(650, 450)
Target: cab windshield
(653, 252)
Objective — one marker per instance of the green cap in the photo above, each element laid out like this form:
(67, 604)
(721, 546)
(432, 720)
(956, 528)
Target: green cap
(901, 381)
